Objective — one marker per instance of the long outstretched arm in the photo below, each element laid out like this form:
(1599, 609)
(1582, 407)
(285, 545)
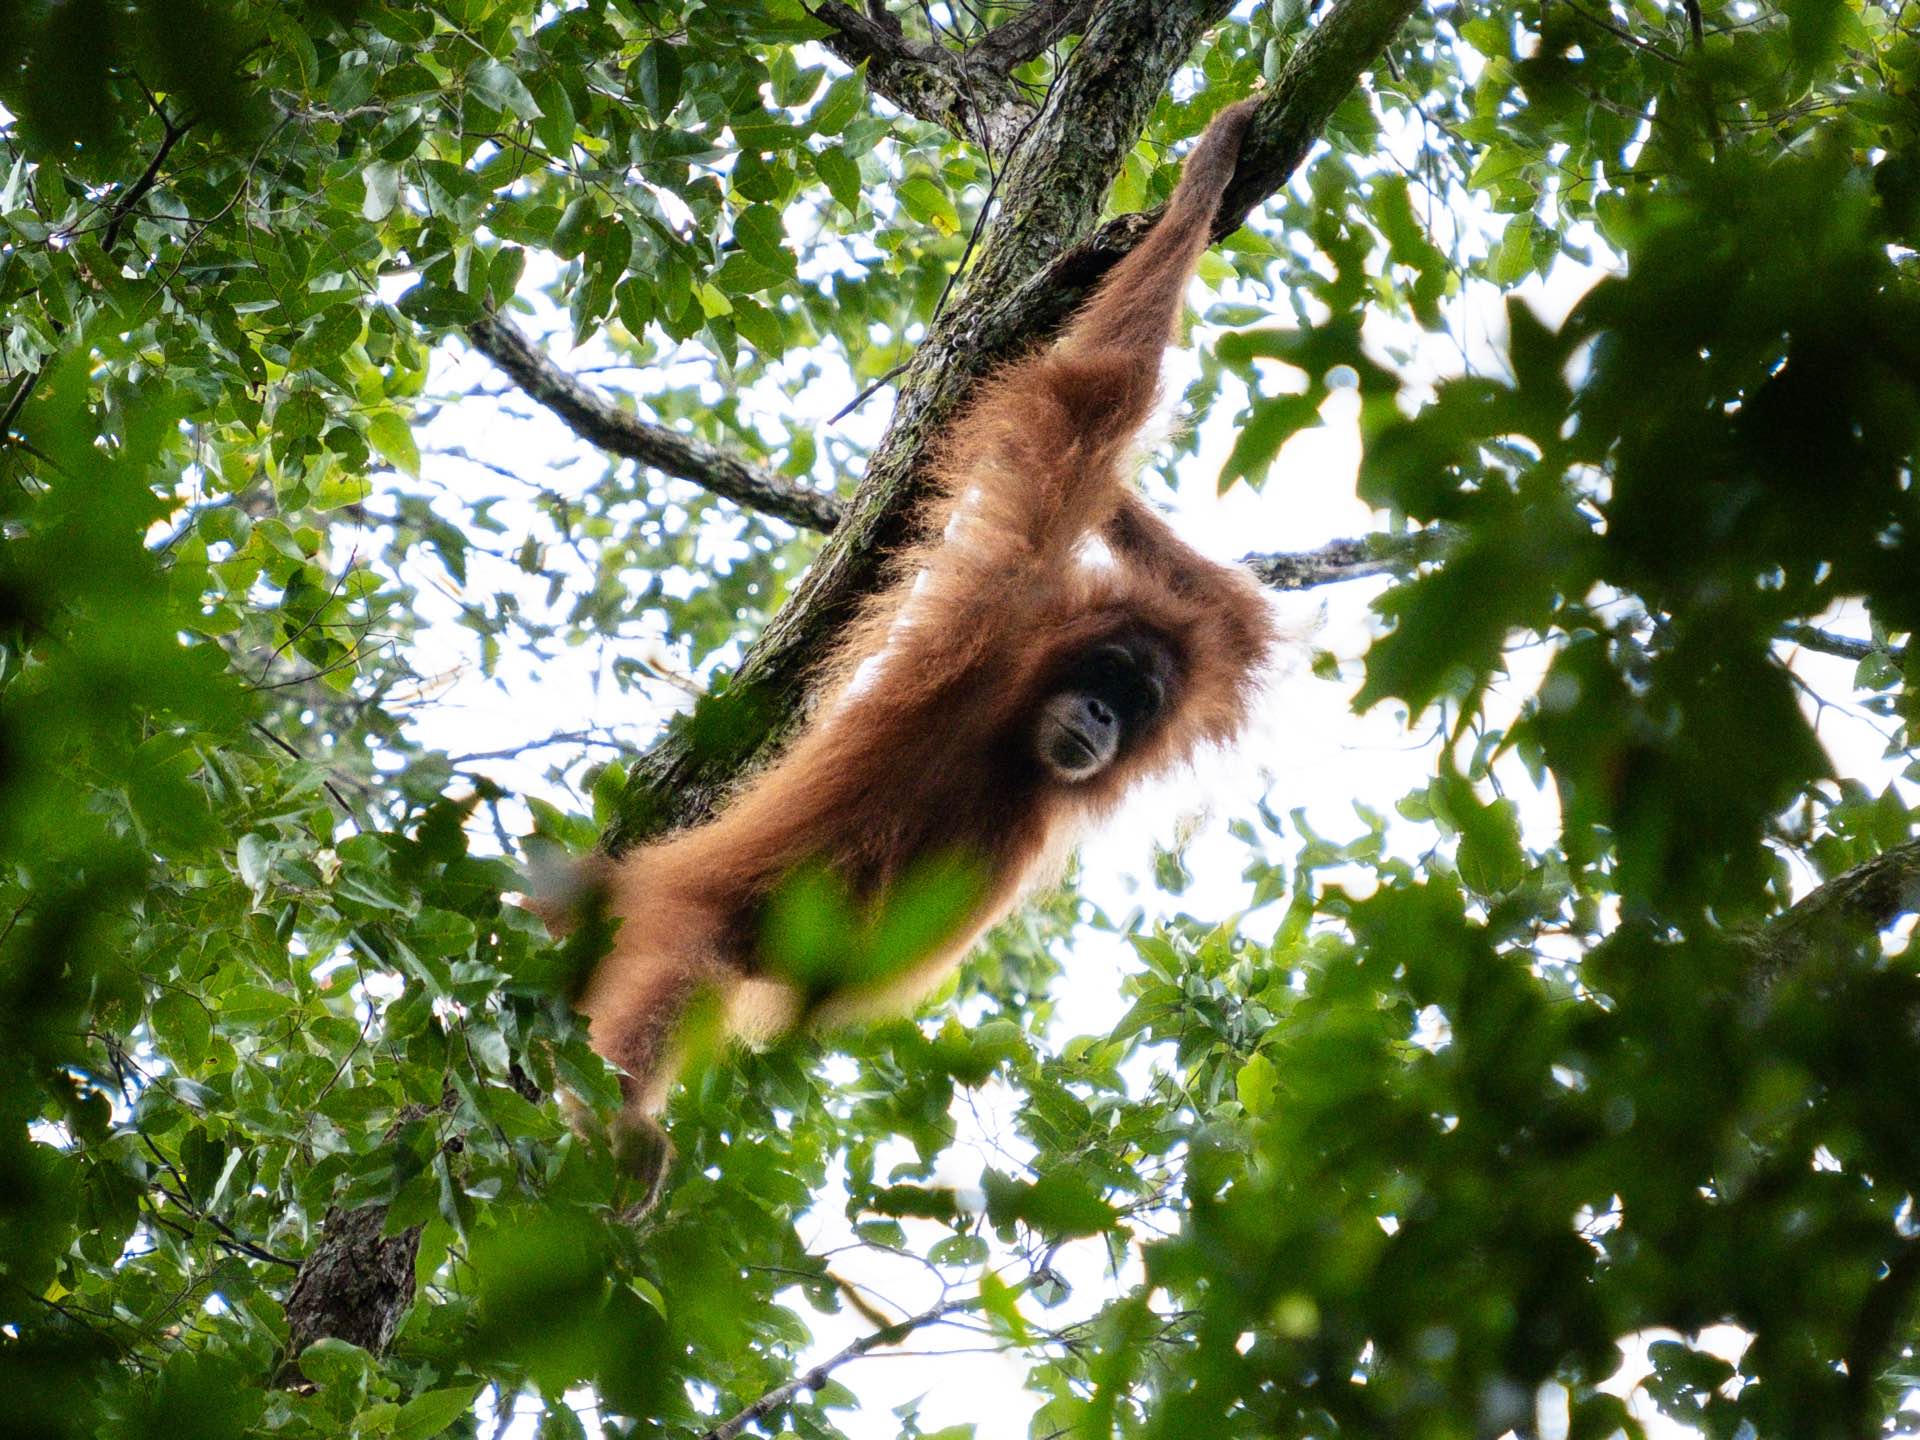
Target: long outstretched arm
(1042, 458)
(1135, 309)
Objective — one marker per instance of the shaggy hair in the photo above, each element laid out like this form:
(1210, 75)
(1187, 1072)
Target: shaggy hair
(922, 747)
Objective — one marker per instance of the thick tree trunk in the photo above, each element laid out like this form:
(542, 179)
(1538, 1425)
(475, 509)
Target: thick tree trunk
(355, 1285)
(1034, 266)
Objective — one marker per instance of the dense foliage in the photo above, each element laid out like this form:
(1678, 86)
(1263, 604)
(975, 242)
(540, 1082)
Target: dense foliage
(1411, 1149)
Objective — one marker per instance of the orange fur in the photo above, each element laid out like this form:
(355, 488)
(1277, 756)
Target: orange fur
(921, 746)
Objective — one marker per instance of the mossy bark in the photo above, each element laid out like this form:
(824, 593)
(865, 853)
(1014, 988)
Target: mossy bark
(1036, 262)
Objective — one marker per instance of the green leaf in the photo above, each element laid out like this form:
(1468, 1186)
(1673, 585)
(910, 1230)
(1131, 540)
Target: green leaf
(569, 236)
(501, 89)
(556, 124)
(328, 336)
(657, 73)
(299, 414)
(927, 202)
(392, 437)
(183, 1028)
(1495, 164)
(759, 325)
(840, 175)
(739, 274)
(252, 859)
(759, 233)
(338, 491)
(1256, 1084)
(1491, 860)
(430, 1413)
(1060, 1204)
(1276, 419)
(1002, 1302)
(1513, 258)
(845, 98)
(382, 179)
(435, 933)
(251, 1006)
(337, 1365)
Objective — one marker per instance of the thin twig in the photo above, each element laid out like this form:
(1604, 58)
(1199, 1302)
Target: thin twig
(815, 1378)
(1624, 33)
(328, 785)
(22, 388)
(148, 178)
(559, 737)
(867, 394)
(229, 1238)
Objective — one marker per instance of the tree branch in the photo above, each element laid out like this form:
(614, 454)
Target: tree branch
(1319, 75)
(1855, 903)
(1811, 637)
(569, 738)
(228, 1238)
(1030, 274)
(928, 81)
(596, 418)
(1042, 24)
(171, 135)
(22, 388)
(816, 1377)
(1341, 560)
(1832, 920)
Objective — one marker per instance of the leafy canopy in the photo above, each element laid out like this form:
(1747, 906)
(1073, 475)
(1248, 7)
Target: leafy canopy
(1459, 1106)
